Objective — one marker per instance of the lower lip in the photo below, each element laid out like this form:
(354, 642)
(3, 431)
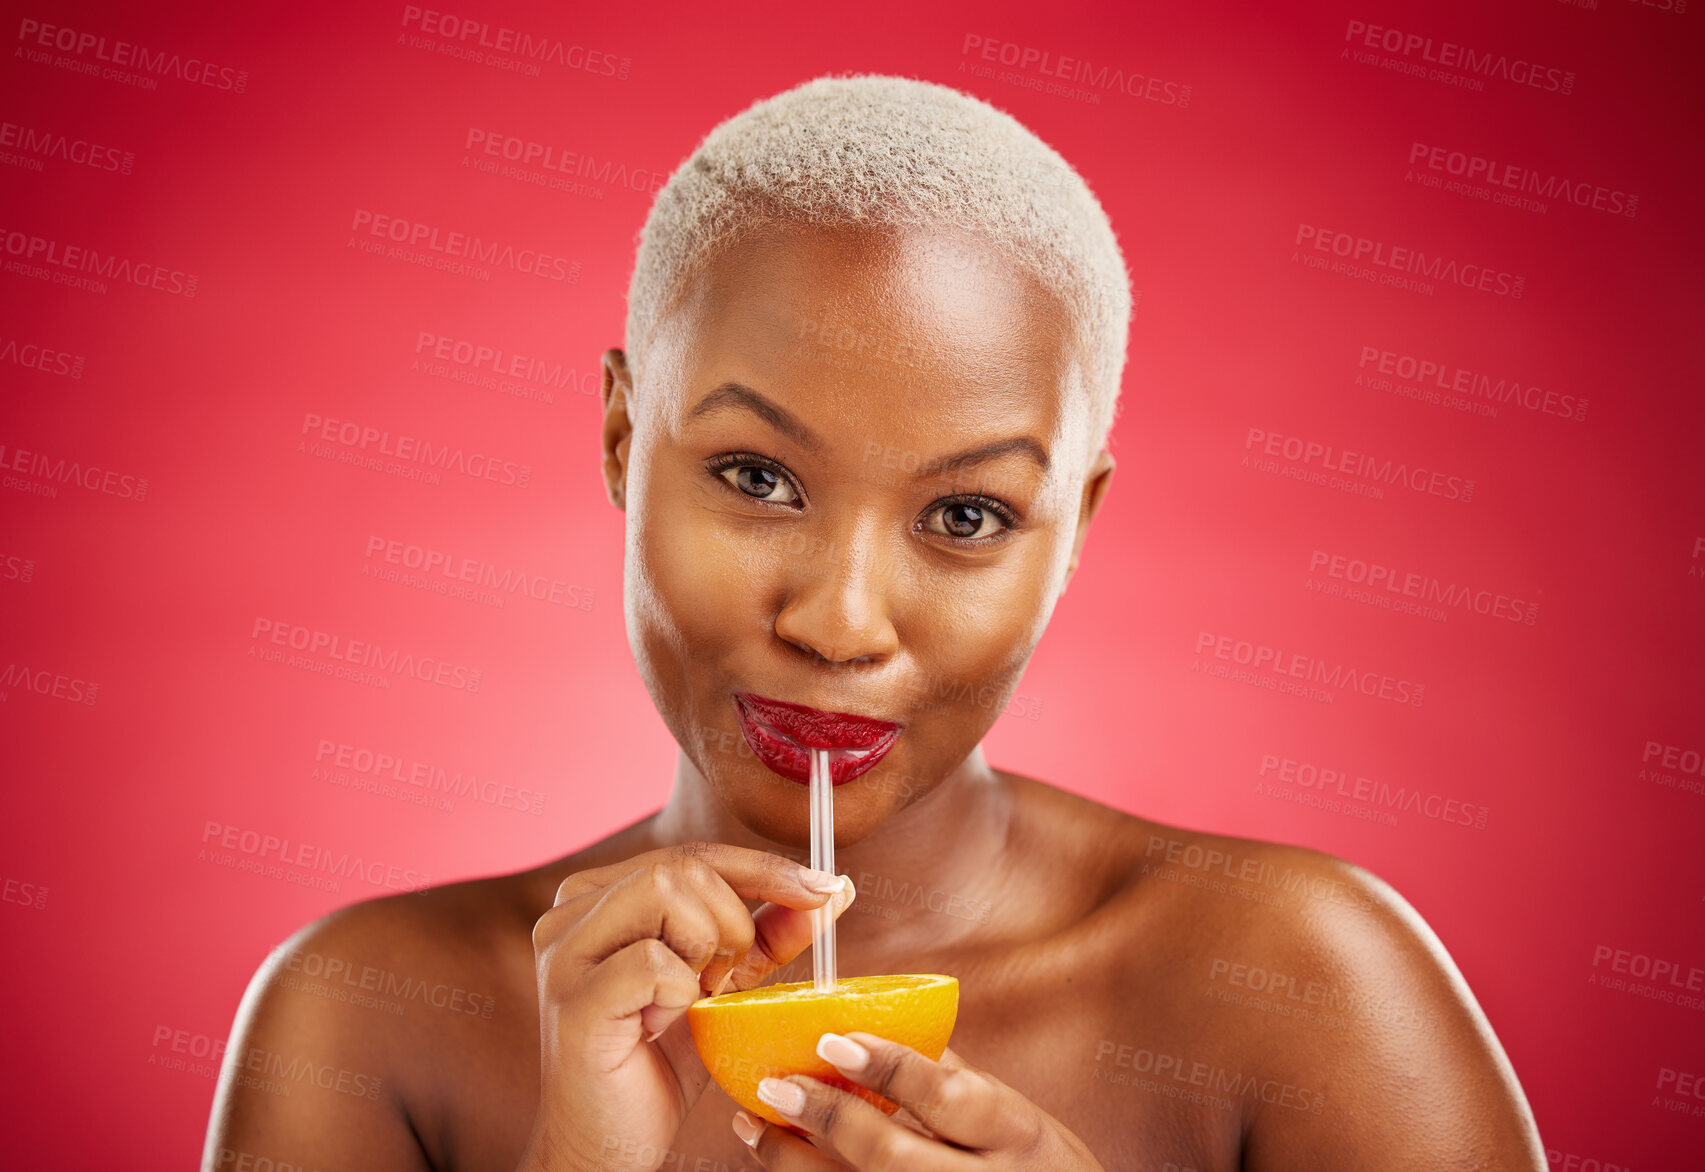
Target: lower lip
(781, 756)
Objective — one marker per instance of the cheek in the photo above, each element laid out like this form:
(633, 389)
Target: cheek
(696, 586)
(970, 641)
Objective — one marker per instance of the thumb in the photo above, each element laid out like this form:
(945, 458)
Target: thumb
(783, 933)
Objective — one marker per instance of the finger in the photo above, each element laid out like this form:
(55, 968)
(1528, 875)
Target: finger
(957, 1103)
(854, 1131)
(651, 902)
(753, 874)
(636, 992)
(780, 1150)
(782, 933)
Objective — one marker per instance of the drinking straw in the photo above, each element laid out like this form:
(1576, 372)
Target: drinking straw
(822, 859)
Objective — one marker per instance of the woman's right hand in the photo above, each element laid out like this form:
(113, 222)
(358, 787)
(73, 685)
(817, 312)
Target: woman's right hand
(620, 957)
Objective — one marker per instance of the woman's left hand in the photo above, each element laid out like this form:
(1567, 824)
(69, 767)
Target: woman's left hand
(970, 1120)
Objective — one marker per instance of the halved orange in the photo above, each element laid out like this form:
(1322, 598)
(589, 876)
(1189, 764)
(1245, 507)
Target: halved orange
(772, 1031)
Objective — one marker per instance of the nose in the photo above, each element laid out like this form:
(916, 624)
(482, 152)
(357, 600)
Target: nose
(836, 605)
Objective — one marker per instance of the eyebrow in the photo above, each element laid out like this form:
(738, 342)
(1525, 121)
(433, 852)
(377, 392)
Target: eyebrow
(1022, 445)
(733, 395)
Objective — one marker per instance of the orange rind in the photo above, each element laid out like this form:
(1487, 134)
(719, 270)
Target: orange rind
(772, 1031)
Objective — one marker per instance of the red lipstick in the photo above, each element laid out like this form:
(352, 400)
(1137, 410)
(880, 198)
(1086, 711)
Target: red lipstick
(781, 735)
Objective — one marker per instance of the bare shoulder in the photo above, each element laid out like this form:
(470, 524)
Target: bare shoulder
(344, 1015)
(1362, 1043)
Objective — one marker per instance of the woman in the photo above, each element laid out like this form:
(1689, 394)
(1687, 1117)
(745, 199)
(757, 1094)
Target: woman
(875, 336)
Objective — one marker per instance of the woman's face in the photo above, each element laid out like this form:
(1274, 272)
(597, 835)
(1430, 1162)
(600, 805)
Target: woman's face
(854, 478)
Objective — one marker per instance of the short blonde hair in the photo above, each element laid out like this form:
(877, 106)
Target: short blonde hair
(867, 149)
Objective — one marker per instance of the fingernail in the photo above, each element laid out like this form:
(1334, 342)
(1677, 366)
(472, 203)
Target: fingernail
(747, 1128)
(819, 880)
(843, 1052)
(723, 984)
(786, 1097)
(844, 897)
(655, 1036)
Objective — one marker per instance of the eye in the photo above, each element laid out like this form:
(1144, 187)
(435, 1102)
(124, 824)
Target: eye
(977, 520)
(755, 478)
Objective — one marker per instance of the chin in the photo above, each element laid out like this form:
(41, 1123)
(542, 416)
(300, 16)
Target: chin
(783, 815)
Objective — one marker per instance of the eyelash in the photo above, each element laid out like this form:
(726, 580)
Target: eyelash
(719, 464)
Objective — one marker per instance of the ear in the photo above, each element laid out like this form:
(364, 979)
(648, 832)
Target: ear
(618, 426)
(1094, 490)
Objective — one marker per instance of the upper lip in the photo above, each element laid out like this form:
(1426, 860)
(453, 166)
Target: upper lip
(813, 728)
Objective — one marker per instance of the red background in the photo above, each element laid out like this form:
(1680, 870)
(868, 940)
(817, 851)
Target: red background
(115, 925)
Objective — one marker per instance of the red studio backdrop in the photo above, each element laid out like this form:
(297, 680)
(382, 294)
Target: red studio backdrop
(1413, 395)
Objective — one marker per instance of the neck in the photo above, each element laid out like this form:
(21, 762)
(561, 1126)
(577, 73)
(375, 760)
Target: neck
(932, 865)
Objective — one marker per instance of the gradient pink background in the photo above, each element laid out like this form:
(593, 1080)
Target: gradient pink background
(116, 928)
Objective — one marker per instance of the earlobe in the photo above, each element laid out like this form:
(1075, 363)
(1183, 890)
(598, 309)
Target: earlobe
(616, 392)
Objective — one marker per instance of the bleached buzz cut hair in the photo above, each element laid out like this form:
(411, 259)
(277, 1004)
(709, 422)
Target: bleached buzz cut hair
(893, 152)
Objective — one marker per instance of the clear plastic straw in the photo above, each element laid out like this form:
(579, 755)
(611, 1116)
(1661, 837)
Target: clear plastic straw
(822, 859)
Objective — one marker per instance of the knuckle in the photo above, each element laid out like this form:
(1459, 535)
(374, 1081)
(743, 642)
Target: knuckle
(886, 1063)
(657, 956)
(546, 929)
(826, 1109)
(885, 1154)
(695, 870)
(660, 877)
(951, 1097)
(743, 935)
(567, 890)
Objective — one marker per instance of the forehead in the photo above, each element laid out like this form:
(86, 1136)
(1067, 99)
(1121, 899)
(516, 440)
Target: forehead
(918, 328)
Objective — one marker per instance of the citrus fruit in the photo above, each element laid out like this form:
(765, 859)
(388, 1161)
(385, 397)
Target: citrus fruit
(772, 1031)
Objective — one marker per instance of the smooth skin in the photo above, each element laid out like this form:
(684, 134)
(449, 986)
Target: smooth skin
(832, 492)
